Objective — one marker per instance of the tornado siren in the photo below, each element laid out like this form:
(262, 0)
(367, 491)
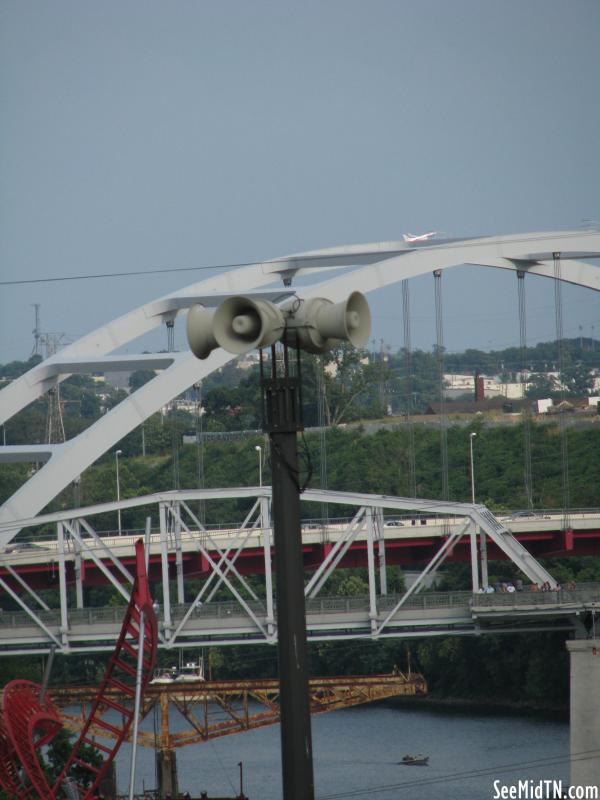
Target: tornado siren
(241, 324)
(317, 325)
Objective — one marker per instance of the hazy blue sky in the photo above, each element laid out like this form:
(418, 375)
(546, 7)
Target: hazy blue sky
(139, 134)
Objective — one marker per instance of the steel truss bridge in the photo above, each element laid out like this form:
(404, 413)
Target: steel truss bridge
(244, 704)
(356, 267)
(228, 608)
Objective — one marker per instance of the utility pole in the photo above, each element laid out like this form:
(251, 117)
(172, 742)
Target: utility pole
(241, 324)
(282, 419)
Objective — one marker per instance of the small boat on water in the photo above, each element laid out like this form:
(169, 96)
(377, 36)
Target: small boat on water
(190, 672)
(415, 761)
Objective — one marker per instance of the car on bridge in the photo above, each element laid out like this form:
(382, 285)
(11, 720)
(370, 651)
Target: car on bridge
(18, 547)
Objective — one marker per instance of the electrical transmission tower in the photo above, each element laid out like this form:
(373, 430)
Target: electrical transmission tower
(47, 345)
(37, 333)
(55, 428)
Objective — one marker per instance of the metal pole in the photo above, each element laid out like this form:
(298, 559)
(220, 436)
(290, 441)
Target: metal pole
(296, 745)
(482, 534)
(371, 571)
(258, 449)
(136, 710)
(471, 437)
(147, 543)
(474, 564)
(241, 766)
(164, 560)
(283, 409)
(117, 454)
(265, 524)
(47, 672)
(62, 584)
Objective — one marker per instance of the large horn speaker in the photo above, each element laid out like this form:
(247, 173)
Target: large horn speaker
(242, 324)
(199, 328)
(318, 323)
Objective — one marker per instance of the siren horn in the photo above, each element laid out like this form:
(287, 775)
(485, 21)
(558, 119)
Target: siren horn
(242, 324)
(316, 324)
(199, 329)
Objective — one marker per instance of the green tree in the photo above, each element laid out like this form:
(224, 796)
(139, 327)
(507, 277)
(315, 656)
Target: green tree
(141, 376)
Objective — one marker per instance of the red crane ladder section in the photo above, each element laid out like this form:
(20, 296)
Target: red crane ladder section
(28, 724)
(10, 777)
(108, 722)
(9, 772)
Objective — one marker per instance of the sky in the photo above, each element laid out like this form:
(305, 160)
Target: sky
(139, 134)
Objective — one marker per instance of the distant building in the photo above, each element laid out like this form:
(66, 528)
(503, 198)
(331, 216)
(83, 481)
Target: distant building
(542, 406)
(190, 406)
(482, 387)
(575, 405)
(474, 407)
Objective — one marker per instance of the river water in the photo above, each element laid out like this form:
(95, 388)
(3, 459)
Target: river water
(356, 751)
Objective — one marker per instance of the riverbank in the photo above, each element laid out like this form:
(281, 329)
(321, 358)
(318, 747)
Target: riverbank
(467, 706)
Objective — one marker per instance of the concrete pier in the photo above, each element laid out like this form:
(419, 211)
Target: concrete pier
(166, 761)
(585, 711)
(108, 785)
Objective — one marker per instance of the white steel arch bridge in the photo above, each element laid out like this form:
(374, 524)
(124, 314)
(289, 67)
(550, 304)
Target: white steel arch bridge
(363, 267)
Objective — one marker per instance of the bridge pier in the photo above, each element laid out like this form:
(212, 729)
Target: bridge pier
(166, 763)
(585, 711)
(108, 784)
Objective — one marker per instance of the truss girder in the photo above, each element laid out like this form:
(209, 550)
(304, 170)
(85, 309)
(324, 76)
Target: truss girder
(249, 616)
(239, 700)
(220, 571)
(335, 555)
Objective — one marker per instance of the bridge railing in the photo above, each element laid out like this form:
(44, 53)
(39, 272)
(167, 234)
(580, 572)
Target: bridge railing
(583, 593)
(223, 610)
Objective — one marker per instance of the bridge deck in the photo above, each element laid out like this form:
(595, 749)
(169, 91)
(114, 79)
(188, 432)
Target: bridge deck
(428, 613)
(408, 541)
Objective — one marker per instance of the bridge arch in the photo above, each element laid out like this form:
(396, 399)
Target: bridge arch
(366, 268)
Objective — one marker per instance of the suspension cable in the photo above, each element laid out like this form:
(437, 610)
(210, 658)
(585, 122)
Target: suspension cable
(439, 330)
(409, 383)
(564, 443)
(525, 414)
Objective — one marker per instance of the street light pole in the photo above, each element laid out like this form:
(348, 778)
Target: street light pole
(471, 437)
(117, 454)
(258, 449)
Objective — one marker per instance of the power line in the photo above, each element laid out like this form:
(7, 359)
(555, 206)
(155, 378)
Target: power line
(293, 262)
(133, 273)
